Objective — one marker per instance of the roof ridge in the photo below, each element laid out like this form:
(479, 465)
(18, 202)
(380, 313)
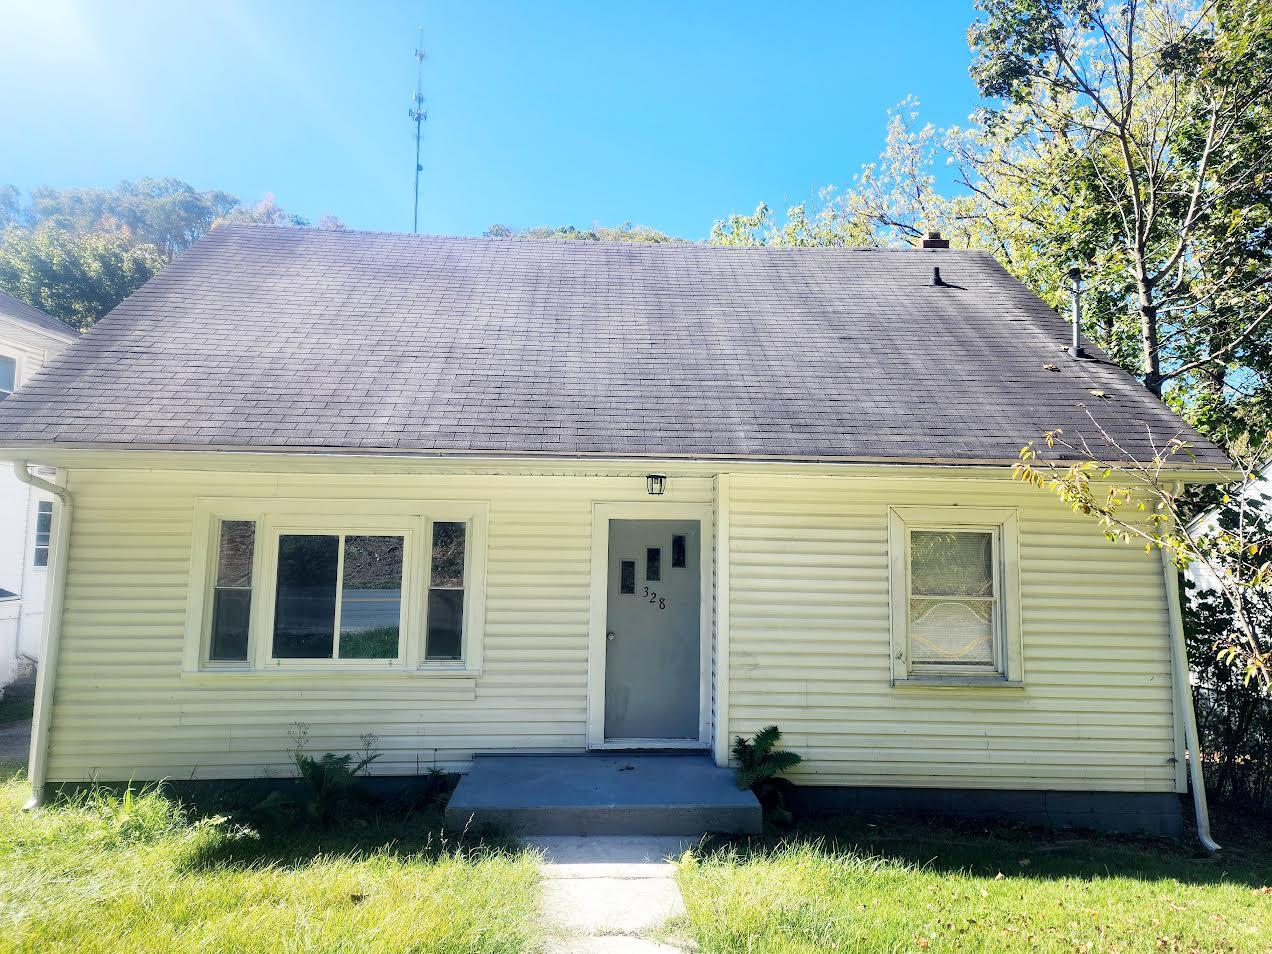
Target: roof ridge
(684, 244)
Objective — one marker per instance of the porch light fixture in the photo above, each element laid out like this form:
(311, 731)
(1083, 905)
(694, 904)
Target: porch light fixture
(656, 483)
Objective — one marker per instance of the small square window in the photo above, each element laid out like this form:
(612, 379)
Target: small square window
(953, 572)
(43, 532)
(953, 607)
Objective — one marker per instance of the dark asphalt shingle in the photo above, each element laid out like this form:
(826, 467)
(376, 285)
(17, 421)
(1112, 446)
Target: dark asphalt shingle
(18, 309)
(294, 338)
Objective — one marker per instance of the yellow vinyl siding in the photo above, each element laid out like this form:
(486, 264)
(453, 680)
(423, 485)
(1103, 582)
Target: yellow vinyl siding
(808, 644)
(123, 709)
(809, 629)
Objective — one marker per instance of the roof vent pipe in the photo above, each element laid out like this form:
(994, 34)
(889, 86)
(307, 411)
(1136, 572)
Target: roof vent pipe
(936, 276)
(1075, 276)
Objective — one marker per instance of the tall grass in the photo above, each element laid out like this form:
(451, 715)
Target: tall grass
(135, 872)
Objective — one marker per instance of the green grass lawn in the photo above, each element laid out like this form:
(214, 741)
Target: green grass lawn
(895, 884)
(138, 874)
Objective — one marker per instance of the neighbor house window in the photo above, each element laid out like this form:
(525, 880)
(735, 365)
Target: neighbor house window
(232, 590)
(338, 596)
(43, 532)
(953, 572)
(446, 593)
(8, 375)
(287, 585)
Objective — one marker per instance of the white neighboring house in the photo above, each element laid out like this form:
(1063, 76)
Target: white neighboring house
(1203, 576)
(28, 339)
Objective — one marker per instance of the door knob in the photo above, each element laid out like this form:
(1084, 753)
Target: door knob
(609, 635)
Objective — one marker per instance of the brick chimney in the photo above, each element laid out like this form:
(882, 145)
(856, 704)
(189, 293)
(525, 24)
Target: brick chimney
(934, 240)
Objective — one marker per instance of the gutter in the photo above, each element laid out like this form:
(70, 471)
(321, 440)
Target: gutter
(73, 452)
(1184, 702)
(51, 633)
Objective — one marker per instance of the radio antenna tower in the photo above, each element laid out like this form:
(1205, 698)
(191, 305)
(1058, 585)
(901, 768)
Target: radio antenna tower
(418, 115)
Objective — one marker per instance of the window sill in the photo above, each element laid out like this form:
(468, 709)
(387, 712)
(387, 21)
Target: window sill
(326, 672)
(957, 682)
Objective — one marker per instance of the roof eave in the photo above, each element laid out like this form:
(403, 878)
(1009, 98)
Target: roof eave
(56, 453)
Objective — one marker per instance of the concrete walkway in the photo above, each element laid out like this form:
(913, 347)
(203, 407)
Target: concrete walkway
(604, 894)
(15, 740)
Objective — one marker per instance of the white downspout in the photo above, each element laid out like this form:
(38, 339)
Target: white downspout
(51, 630)
(1184, 701)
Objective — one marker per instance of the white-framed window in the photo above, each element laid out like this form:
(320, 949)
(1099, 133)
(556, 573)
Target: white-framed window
(340, 586)
(43, 533)
(8, 375)
(955, 596)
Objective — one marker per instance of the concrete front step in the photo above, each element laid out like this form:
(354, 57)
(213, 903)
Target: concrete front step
(602, 794)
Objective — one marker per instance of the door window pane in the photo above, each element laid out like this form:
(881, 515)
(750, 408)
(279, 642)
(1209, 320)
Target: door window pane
(305, 610)
(232, 594)
(653, 564)
(678, 550)
(627, 577)
(371, 597)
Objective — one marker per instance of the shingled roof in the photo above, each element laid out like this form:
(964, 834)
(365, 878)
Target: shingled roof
(292, 339)
(19, 310)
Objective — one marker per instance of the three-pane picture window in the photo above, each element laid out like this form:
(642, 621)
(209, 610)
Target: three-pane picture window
(331, 595)
(953, 602)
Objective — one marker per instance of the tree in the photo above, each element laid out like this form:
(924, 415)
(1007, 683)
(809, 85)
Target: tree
(1141, 125)
(76, 278)
(10, 206)
(636, 234)
(167, 213)
(77, 253)
(264, 212)
(1142, 501)
(891, 202)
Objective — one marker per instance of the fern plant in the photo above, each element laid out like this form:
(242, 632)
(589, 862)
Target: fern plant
(759, 764)
(332, 779)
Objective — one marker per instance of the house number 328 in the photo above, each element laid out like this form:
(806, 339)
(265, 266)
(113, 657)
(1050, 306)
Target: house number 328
(659, 601)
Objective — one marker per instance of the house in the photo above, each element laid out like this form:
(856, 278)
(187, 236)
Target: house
(499, 496)
(28, 339)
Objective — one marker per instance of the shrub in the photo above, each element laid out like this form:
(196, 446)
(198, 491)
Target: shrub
(759, 763)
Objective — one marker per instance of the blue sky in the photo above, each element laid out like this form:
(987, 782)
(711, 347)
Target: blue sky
(666, 114)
